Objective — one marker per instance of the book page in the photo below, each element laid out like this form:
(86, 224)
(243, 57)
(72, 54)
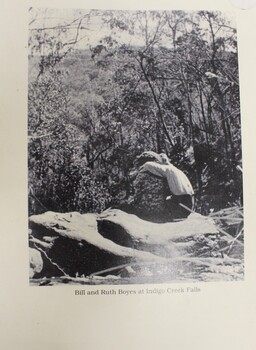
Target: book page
(145, 279)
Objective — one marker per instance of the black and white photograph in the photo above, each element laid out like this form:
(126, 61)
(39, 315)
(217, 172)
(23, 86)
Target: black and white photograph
(135, 172)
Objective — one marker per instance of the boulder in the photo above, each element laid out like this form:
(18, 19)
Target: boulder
(115, 247)
(149, 199)
(195, 236)
(35, 262)
(72, 243)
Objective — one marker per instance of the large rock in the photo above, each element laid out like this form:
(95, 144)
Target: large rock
(117, 247)
(149, 192)
(73, 245)
(149, 199)
(195, 236)
(35, 262)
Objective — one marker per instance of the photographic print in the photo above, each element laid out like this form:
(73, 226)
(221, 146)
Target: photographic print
(134, 147)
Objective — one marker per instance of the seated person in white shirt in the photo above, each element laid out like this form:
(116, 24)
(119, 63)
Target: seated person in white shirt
(181, 190)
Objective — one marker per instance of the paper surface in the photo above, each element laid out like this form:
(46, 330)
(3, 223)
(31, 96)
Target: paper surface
(203, 316)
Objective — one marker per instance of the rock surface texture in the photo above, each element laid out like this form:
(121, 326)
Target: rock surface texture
(85, 247)
(148, 200)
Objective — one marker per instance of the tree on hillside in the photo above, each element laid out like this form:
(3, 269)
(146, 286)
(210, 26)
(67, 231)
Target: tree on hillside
(160, 81)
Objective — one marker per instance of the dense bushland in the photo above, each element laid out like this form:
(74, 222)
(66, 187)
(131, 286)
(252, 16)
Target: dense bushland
(92, 110)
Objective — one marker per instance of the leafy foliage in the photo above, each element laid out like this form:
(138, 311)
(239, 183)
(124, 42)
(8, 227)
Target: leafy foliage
(91, 112)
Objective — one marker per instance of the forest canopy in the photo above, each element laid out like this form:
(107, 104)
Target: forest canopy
(105, 86)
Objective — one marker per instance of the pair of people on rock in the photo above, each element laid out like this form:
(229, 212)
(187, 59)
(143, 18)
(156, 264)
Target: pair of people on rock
(181, 198)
